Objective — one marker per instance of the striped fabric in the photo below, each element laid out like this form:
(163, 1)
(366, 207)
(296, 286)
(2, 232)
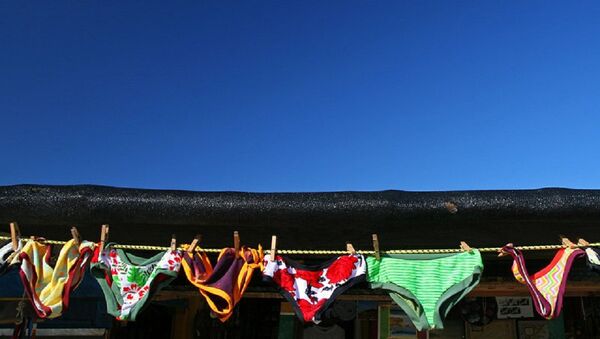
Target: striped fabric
(426, 286)
(49, 287)
(547, 286)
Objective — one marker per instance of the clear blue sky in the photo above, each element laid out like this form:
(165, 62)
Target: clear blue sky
(301, 96)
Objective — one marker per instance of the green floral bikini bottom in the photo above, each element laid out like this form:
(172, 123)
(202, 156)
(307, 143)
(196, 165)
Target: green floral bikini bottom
(128, 281)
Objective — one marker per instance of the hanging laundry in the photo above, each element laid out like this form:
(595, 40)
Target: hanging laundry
(312, 289)
(593, 259)
(224, 287)
(48, 288)
(129, 282)
(547, 286)
(426, 286)
(7, 254)
(196, 265)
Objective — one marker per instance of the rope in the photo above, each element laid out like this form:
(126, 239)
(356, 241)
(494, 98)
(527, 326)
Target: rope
(335, 252)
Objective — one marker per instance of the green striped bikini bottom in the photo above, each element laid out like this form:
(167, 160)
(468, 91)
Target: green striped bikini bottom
(426, 286)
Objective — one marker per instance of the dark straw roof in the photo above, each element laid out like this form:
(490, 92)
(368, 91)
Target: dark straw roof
(307, 220)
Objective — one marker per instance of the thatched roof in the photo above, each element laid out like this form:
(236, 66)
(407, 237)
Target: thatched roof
(307, 220)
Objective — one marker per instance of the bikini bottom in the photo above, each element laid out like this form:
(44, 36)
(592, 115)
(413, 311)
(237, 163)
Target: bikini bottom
(196, 265)
(312, 289)
(426, 286)
(48, 288)
(129, 282)
(593, 259)
(547, 286)
(224, 287)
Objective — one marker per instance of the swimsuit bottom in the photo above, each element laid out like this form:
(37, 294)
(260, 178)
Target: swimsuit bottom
(547, 286)
(129, 282)
(224, 286)
(593, 259)
(7, 254)
(312, 289)
(196, 265)
(48, 288)
(426, 286)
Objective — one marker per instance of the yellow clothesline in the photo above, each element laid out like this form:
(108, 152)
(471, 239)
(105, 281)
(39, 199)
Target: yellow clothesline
(325, 252)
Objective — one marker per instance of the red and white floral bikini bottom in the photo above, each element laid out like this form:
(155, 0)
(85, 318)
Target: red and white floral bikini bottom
(312, 289)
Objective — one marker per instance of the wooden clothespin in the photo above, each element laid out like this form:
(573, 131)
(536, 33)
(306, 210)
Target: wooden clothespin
(194, 243)
(75, 235)
(273, 252)
(15, 233)
(236, 243)
(376, 247)
(501, 252)
(350, 249)
(465, 247)
(103, 236)
(173, 242)
(567, 242)
(582, 242)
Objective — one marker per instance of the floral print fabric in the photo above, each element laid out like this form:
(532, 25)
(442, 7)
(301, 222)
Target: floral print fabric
(127, 280)
(311, 289)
